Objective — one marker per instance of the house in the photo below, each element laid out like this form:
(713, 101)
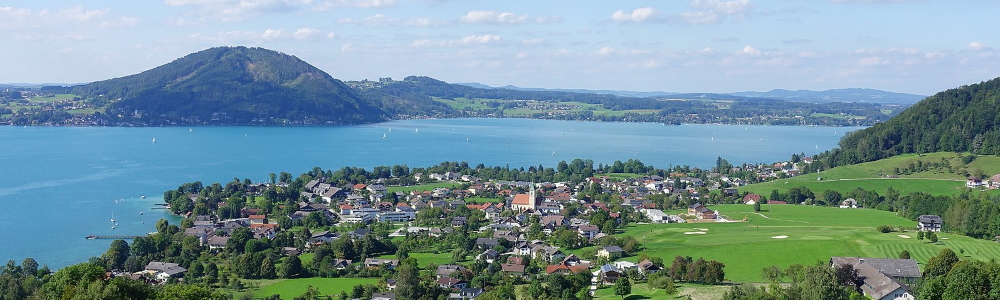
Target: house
(402, 215)
(625, 266)
(488, 256)
(588, 231)
(375, 263)
(513, 269)
(995, 182)
(451, 283)
(446, 270)
(383, 296)
(258, 219)
(973, 182)
(699, 210)
(751, 199)
(548, 253)
(164, 270)
(610, 252)
(486, 243)
(465, 294)
(657, 216)
(566, 269)
(849, 203)
(647, 267)
(929, 223)
(883, 278)
(341, 264)
(609, 274)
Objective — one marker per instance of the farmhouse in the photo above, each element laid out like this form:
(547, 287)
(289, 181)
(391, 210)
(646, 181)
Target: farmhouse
(929, 223)
(699, 210)
(995, 182)
(165, 270)
(883, 278)
(610, 252)
(657, 216)
(751, 199)
(849, 203)
(973, 182)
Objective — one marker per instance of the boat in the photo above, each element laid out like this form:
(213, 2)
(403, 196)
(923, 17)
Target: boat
(416, 130)
(112, 216)
(383, 135)
(553, 153)
(140, 213)
(142, 197)
(190, 129)
(154, 140)
(92, 237)
(390, 129)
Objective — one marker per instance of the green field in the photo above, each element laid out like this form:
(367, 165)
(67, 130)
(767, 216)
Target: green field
(53, 98)
(422, 187)
(869, 176)
(291, 288)
(642, 291)
(814, 234)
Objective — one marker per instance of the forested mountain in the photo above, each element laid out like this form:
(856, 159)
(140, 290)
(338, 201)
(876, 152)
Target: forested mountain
(959, 120)
(232, 85)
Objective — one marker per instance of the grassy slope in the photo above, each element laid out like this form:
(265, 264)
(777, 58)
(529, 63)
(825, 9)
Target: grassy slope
(291, 288)
(867, 176)
(814, 234)
(425, 259)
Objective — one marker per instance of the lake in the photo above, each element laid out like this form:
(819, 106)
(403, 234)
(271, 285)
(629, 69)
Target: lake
(59, 184)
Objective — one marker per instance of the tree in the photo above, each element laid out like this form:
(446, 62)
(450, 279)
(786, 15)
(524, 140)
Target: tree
(116, 255)
(904, 254)
(267, 269)
(30, 267)
(162, 225)
(292, 267)
(941, 264)
(920, 235)
(933, 237)
(756, 206)
(772, 274)
(623, 287)
(408, 280)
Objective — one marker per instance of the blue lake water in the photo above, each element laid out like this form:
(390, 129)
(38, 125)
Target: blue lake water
(59, 184)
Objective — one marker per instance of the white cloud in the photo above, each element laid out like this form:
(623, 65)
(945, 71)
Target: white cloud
(267, 35)
(331, 4)
(606, 50)
(236, 10)
(470, 40)
(638, 15)
(504, 18)
(384, 20)
(977, 46)
(750, 50)
(703, 12)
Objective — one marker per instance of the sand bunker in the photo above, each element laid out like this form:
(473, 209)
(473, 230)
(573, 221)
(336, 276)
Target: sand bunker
(903, 236)
(700, 229)
(695, 232)
(780, 237)
(944, 238)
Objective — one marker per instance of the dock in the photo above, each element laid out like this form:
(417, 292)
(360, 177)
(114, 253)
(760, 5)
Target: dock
(112, 237)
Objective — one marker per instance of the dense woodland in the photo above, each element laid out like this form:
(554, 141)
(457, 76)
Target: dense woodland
(964, 119)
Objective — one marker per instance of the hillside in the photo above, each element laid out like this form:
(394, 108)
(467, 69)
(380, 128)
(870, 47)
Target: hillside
(836, 95)
(964, 119)
(941, 173)
(232, 85)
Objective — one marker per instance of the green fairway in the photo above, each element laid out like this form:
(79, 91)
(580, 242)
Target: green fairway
(811, 234)
(291, 288)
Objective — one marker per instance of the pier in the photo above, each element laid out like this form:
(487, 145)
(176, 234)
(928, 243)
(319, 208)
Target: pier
(111, 237)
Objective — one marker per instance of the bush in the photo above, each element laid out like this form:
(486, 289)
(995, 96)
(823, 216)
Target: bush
(885, 229)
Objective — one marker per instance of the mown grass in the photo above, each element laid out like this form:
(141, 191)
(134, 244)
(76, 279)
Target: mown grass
(291, 288)
(426, 258)
(814, 234)
(53, 98)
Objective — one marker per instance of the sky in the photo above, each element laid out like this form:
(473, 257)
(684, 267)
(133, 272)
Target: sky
(909, 46)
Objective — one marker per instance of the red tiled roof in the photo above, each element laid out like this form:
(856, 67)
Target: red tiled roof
(521, 199)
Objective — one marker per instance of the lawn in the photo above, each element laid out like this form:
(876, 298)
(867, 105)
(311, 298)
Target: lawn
(56, 97)
(483, 200)
(422, 187)
(642, 291)
(814, 234)
(291, 288)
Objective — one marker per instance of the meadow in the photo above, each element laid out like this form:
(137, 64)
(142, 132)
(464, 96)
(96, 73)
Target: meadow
(796, 234)
(291, 288)
(870, 176)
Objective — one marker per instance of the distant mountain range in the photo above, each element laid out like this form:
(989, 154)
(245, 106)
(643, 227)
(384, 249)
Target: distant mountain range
(834, 95)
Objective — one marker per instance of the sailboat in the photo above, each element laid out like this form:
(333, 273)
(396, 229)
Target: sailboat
(112, 216)
(390, 129)
(713, 138)
(383, 135)
(553, 153)
(416, 130)
(154, 140)
(190, 129)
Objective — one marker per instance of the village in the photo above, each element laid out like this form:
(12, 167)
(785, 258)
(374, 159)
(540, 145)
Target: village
(495, 231)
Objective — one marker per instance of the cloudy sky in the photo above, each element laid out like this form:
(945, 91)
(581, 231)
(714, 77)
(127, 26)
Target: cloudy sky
(912, 46)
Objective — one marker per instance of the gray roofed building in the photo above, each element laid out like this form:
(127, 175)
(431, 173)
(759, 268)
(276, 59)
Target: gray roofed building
(929, 223)
(883, 278)
(165, 270)
(487, 243)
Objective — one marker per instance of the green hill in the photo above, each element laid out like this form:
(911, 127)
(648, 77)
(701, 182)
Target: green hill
(964, 119)
(232, 85)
